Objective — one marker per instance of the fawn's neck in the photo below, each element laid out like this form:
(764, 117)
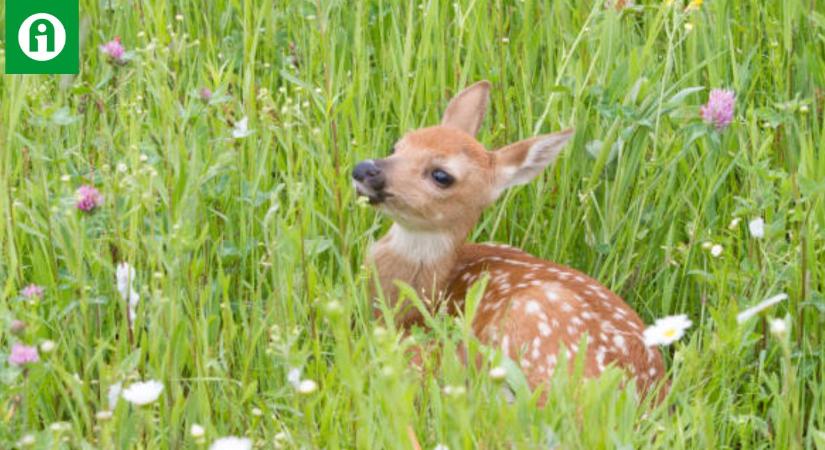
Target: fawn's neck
(422, 259)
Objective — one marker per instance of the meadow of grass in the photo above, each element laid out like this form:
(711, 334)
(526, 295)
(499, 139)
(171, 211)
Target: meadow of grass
(247, 244)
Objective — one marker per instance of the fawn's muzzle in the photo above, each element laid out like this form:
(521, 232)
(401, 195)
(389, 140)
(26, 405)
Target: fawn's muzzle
(370, 181)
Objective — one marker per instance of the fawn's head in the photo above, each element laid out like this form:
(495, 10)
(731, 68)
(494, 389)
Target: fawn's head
(441, 177)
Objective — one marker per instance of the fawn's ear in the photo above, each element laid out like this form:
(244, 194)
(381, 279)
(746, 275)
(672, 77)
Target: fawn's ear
(466, 110)
(522, 161)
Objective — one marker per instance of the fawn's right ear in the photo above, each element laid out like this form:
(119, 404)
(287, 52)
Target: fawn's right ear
(466, 110)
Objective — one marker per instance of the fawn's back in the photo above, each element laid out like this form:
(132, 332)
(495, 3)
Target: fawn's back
(532, 307)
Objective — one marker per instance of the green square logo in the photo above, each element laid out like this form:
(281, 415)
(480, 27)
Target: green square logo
(42, 36)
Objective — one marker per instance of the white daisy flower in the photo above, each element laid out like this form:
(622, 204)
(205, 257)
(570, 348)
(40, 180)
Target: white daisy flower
(757, 228)
(716, 250)
(231, 443)
(143, 393)
(743, 316)
(666, 330)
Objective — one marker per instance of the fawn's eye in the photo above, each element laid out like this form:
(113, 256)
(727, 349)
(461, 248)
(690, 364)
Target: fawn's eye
(442, 178)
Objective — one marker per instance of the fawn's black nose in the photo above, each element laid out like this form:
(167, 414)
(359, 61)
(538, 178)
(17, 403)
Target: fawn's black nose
(369, 174)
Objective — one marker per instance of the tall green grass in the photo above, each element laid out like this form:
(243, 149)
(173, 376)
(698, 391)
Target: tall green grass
(248, 251)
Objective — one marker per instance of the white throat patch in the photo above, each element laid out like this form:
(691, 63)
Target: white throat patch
(420, 246)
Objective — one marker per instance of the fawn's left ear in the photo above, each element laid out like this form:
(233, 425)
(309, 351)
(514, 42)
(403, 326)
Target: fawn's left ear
(520, 162)
(466, 110)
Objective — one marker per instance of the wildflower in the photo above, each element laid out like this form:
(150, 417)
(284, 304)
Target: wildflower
(779, 328)
(757, 228)
(17, 327)
(743, 316)
(103, 415)
(47, 346)
(231, 443)
(716, 250)
(734, 223)
(196, 431)
(205, 94)
(307, 387)
(32, 291)
(113, 394)
(257, 412)
(125, 276)
(694, 5)
(241, 129)
(455, 391)
(441, 447)
(88, 198)
(498, 373)
(23, 354)
(719, 109)
(666, 330)
(59, 427)
(143, 393)
(26, 441)
(114, 50)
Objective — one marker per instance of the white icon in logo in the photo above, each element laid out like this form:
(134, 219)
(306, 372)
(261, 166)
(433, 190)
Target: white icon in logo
(41, 37)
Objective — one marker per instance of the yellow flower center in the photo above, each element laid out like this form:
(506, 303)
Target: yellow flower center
(670, 332)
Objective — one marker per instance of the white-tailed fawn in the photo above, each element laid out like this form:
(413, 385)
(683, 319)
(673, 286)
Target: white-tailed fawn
(434, 186)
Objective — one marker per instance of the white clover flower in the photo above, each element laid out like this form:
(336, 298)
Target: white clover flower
(196, 431)
(716, 250)
(743, 316)
(231, 443)
(307, 387)
(498, 373)
(26, 441)
(757, 228)
(779, 328)
(47, 346)
(666, 330)
(143, 393)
